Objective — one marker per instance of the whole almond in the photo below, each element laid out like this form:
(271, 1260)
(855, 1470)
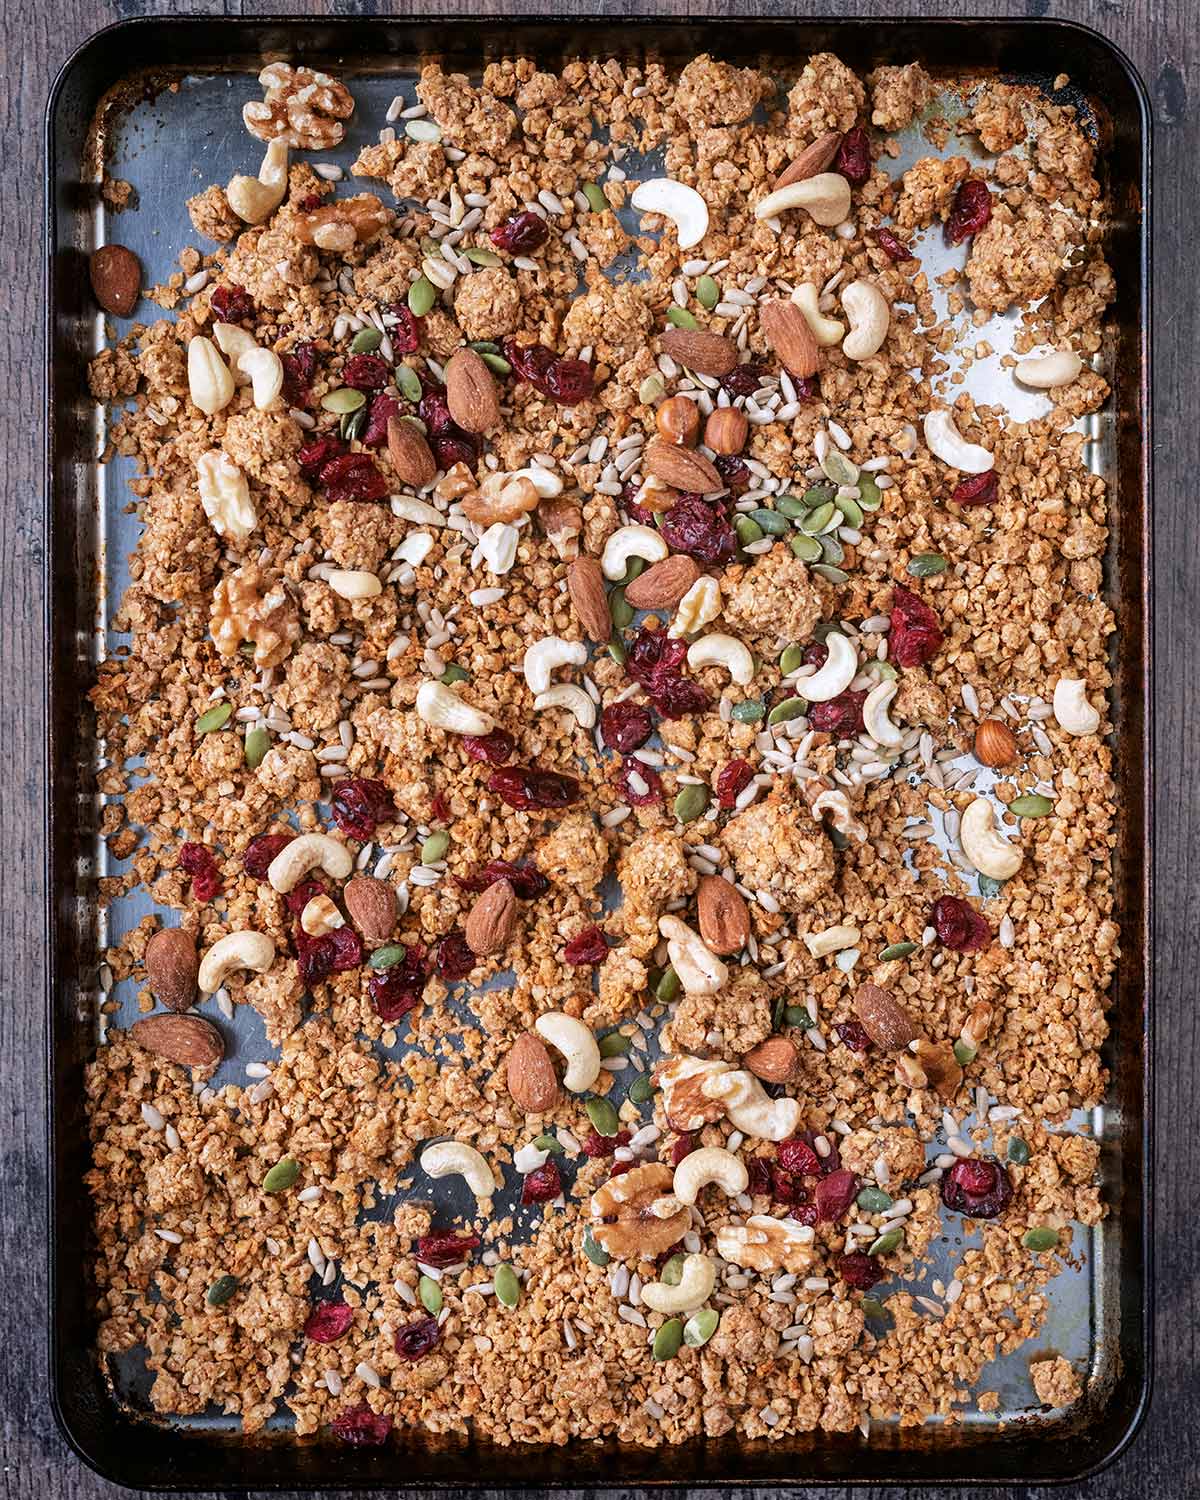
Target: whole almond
(491, 920)
(372, 907)
(410, 454)
(530, 1075)
(789, 335)
(812, 160)
(883, 1018)
(723, 915)
(726, 430)
(116, 279)
(773, 1060)
(996, 744)
(172, 965)
(663, 584)
(682, 469)
(706, 353)
(189, 1040)
(585, 585)
(471, 392)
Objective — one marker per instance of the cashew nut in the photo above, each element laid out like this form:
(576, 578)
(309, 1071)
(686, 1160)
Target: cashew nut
(577, 1045)
(457, 1159)
(225, 496)
(875, 715)
(237, 950)
(826, 197)
(750, 1108)
(351, 583)
(869, 314)
(826, 331)
(836, 803)
(627, 542)
(1071, 708)
(441, 708)
(234, 341)
(210, 384)
(981, 842)
(1049, 370)
(681, 204)
(265, 370)
(543, 656)
(699, 969)
(709, 1164)
(839, 671)
(567, 695)
(498, 547)
(944, 441)
(320, 916)
(695, 1286)
(830, 940)
(722, 651)
(295, 860)
(255, 199)
(699, 607)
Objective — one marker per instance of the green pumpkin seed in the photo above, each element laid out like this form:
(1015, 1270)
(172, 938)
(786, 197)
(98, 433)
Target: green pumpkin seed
(668, 987)
(964, 1053)
(797, 1015)
(594, 194)
(620, 609)
(851, 510)
(281, 1176)
(408, 382)
(595, 1253)
(790, 708)
(830, 574)
(507, 1287)
(453, 673)
(818, 519)
(818, 494)
(1032, 805)
(887, 1242)
(885, 669)
(927, 564)
(672, 1272)
(421, 296)
(1018, 1150)
(874, 1200)
(777, 1013)
(691, 803)
(748, 530)
(616, 650)
(422, 130)
(258, 742)
(385, 957)
(836, 466)
(483, 346)
(430, 246)
(221, 1290)
(479, 255)
(614, 1045)
(496, 363)
(641, 1089)
(1040, 1239)
(214, 718)
(353, 424)
(435, 847)
(897, 950)
(634, 568)
(989, 886)
(344, 399)
(748, 712)
(872, 1308)
(790, 506)
(806, 548)
(651, 389)
(870, 496)
(668, 1340)
(366, 341)
(832, 550)
(430, 1294)
(679, 317)
(771, 522)
(700, 1327)
(549, 1143)
(708, 293)
(602, 1115)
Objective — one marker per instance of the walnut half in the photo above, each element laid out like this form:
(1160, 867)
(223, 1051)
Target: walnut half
(636, 1216)
(764, 1243)
(687, 1101)
(342, 225)
(301, 107)
(248, 606)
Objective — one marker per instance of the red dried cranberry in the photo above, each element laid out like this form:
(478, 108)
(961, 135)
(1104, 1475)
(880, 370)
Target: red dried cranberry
(570, 381)
(443, 1247)
(805, 1213)
(701, 530)
(619, 1168)
(831, 1161)
(834, 1194)
(759, 1171)
(328, 1321)
(526, 880)
(344, 948)
(598, 1146)
(361, 1427)
(198, 861)
(434, 411)
(494, 748)
(744, 380)
(859, 1270)
(299, 367)
(405, 333)
(976, 1189)
(807, 388)
(366, 372)
(971, 211)
(841, 716)
(440, 808)
(452, 958)
(360, 805)
(315, 455)
(732, 781)
(786, 1187)
(383, 407)
(633, 776)
(815, 654)
(639, 513)
(541, 1185)
(959, 926)
(854, 1035)
(353, 476)
(453, 448)
(916, 635)
(734, 472)
(685, 1144)
(893, 248)
(586, 947)
(260, 851)
(528, 789)
(529, 361)
(656, 662)
(853, 159)
(979, 489)
(300, 895)
(416, 1339)
(626, 727)
(396, 990)
(798, 1156)
(232, 304)
(520, 233)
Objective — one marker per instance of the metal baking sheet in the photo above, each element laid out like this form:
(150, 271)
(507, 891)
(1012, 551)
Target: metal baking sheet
(170, 144)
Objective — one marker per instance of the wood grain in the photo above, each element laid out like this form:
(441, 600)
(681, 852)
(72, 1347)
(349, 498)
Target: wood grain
(1161, 37)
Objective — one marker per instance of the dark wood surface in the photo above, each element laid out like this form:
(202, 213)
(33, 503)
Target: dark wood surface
(1161, 36)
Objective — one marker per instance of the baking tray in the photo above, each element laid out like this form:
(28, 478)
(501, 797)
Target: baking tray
(171, 144)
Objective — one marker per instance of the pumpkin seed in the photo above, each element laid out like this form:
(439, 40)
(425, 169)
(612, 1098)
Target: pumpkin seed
(777, 1013)
(668, 986)
(887, 1242)
(595, 1253)
(700, 1327)
(771, 522)
(872, 1308)
(790, 708)
(620, 609)
(421, 296)
(672, 1272)
(548, 1143)
(1018, 1150)
(870, 496)
(616, 650)
(1032, 805)
(281, 1176)
(496, 362)
(748, 712)
(614, 1045)
(818, 494)
(838, 839)
(790, 506)
(817, 520)
(797, 1015)
(479, 255)
(602, 1115)
(668, 1340)
(385, 957)
(927, 564)
(422, 130)
(434, 847)
(837, 466)
(353, 424)
(1040, 1239)
(832, 550)
(897, 950)
(214, 718)
(258, 742)
(691, 803)
(708, 293)
(221, 1290)
(483, 346)
(641, 1089)
(430, 1294)
(507, 1287)
(430, 246)
(874, 1200)
(344, 399)
(454, 673)
(851, 510)
(964, 1053)
(366, 341)
(634, 568)
(408, 382)
(885, 669)
(806, 548)
(989, 886)
(679, 317)
(594, 194)
(651, 389)
(830, 574)
(748, 530)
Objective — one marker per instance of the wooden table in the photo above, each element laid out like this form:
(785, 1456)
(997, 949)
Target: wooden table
(1161, 37)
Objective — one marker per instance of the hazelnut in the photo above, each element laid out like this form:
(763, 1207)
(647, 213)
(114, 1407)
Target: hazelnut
(678, 422)
(726, 430)
(995, 744)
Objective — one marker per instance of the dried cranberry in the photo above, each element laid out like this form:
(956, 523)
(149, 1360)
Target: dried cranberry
(626, 727)
(979, 489)
(454, 448)
(383, 407)
(416, 1339)
(299, 367)
(529, 361)
(893, 248)
(656, 662)
(685, 1144)
(315, 455)
(494, 748)
(977, 1189)
(443, 1247)
(360, 805)
(440, 808)
(971, 211)
(786, 1187)
(570, 381)
(405, 333)
(734, 472)
(744, 380)
(541, 1185)
(586, 947)
(521, 233)
(759, 1171)
(732, 781)
(815, 654)
(300, 895)
(798, 1156)
(328, 1321)
(916, 635)
(619, 1168)
(807, 388)
(700, 529)
(310, 203)
(805, 1213)
(598, 1146)
(854, 1035)
(831, 1161)
(958, 925)
(434, 411)
(640, 785)
(834, 1194)
(331, 953)
(396, 990)
(528, 789)
(526, 880)
(859, 1270)
(198, 861)
(452, 958)
(232, 304)
(366, 372)
(841, 716)
(260, 851)
(361, 1427)
(853, 160)
(353, 476)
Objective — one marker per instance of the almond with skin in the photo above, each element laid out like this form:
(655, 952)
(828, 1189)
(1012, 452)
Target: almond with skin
(706, 353)
(585, 585)
(116, 279)
(789, 335)
(996, 744)
(663, 584)
(372, 907)
(812, 160)
(773, 1060)
(883, 1018)
(530, 1075)
(471, 392)
(681, 469)
(722, 914)
(490, 922)
(410, 454)
(190, 1041)
(172, 965)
